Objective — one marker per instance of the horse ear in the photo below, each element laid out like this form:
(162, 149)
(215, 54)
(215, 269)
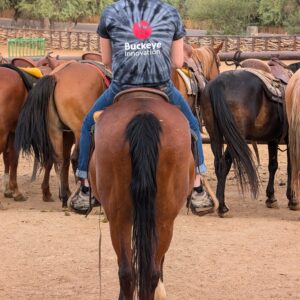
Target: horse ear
(219, 47)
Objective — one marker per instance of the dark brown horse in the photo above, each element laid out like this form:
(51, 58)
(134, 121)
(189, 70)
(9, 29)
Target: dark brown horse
(14, 86)
(142, 170)
(292, 96)
(51, 119)
(237, 107)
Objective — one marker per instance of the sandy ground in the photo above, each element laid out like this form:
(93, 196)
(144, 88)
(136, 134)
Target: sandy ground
(251, 254)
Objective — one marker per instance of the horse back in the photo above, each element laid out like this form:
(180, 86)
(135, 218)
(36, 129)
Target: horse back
(12, 96)
(77, 87)
(111, 159)
(254, 113)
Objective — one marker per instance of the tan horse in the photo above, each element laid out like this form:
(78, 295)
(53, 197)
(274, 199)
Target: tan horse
(292, 98)
(206, 62)
(142, 182)
(54, 112)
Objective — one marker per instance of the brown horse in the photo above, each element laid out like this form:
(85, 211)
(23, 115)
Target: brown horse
(142, 183)
(204, 61)
(292, 97)
(14, 86)
(51, 119)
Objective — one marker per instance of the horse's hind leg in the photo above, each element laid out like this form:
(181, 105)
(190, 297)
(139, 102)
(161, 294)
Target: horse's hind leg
(222, 167)
(293, 201)
(13, 157)
(65, 192)
(255, 148)
(5, 182)
(121, 240)
(47, 196)
(271, 201)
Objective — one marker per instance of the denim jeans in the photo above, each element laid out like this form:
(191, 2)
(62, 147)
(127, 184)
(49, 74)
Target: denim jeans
(106, 99)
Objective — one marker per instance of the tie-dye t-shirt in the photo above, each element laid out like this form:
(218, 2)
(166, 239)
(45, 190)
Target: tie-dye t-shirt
(141, 33)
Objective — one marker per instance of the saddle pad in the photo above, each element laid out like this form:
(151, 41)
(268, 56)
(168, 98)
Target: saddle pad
(272, 84)
(35, 72)
(187, 81)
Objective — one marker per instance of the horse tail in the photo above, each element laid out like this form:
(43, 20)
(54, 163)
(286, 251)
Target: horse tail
(32, 129)
(294, 131)
(226, 129)
(143, 134)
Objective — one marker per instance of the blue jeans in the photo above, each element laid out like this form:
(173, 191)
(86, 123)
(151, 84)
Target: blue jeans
(106, 99)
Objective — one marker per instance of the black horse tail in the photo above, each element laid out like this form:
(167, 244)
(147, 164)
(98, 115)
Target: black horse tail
(226, 128)
(32, 129)
(143, 134)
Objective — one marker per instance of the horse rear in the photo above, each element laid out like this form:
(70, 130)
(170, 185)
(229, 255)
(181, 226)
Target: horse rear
(292, 97)
(237, 108)
(12, 97)
(142, 171)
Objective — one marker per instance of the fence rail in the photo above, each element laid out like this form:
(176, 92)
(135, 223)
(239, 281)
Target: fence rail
(90, 41)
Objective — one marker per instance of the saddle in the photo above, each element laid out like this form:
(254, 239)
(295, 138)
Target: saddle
(23, 62)
(141, 93)
(92, 56)
(280, 70)
(273, 86)
(105, 73)
(193, 67)
(136, 93)
(31, 67)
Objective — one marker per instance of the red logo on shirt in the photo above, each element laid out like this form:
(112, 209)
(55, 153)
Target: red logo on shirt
(142, 30)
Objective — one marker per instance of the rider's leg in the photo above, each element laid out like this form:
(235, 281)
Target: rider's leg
(200, 200)
(80, 199)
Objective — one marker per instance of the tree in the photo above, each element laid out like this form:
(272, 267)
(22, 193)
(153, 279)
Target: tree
(11, 4)
(227, 16)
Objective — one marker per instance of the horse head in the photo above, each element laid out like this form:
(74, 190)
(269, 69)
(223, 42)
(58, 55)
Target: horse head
(209, 59)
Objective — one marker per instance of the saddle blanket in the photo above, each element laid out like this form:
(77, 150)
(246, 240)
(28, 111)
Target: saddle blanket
(272, 84)
(35, 72)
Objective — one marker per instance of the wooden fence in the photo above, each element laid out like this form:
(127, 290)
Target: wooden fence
(89, 41)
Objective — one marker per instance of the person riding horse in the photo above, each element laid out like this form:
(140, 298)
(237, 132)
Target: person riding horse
(141, 45)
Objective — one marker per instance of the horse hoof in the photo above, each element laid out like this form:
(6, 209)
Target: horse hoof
(65, 205)
(8, 194)
(222, 212)
(272, 203)
(20, 198)
(294, 206)
(48, 199)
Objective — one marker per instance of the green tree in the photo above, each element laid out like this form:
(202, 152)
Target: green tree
(279, 12)
(59, 10)
(227, 16)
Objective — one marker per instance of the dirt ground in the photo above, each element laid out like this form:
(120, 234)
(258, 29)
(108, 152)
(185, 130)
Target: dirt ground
(251, 254)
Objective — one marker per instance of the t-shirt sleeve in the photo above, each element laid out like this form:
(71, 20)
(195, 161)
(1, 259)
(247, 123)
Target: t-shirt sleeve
(102, 29)
(179, 28)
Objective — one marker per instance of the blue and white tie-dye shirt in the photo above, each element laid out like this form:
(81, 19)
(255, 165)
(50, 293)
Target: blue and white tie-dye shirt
(141, 33)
